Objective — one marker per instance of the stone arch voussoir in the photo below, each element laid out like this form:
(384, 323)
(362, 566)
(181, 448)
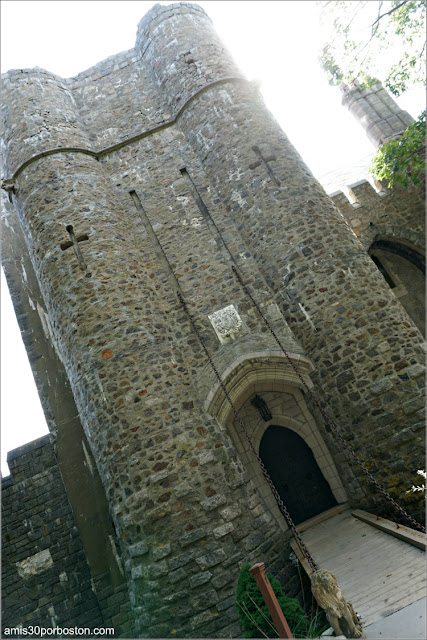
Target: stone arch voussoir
(254, 371)
(394, 233)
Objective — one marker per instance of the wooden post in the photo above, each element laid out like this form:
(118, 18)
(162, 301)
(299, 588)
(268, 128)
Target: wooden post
(279, 620)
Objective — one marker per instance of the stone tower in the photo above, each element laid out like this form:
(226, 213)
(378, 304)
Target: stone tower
(150, 175)
(377, 112)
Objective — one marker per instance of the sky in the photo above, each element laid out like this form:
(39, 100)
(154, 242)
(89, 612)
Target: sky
(275, 43)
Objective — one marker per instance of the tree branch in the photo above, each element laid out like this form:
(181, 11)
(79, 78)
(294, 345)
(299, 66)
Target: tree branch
(389, 12)
(375, 25)
(359, 6)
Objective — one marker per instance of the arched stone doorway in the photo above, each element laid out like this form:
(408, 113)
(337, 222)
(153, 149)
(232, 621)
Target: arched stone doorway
(295, 473)
(269, 376)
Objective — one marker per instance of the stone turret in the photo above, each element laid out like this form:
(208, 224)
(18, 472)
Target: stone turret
(153, 174)
(376, 111)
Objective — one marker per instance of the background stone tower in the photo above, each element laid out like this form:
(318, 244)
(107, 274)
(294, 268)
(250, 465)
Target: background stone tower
(153, 174)
(377, 112)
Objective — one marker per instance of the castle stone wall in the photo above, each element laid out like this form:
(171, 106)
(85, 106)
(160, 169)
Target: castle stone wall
(45, 576)
(74, 458)
(168, 471)
(324, 282)
(398, 213)
(135, 104)
(391, 226)
(115, 235)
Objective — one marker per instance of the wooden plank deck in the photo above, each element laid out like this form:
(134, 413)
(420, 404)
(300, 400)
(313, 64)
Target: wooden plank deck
(378, 573)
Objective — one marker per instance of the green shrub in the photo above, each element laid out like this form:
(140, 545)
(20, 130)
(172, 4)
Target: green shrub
(402, 160)
(254, 615)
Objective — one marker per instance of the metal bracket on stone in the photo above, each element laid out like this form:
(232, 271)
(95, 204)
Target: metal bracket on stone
(8, 185)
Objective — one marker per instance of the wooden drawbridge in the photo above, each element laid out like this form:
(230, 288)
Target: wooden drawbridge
(377, 572)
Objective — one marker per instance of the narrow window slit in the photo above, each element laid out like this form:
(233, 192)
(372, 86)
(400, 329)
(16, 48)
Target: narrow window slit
(74, 242)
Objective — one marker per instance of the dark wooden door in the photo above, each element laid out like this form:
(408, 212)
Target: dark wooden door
(295, 473)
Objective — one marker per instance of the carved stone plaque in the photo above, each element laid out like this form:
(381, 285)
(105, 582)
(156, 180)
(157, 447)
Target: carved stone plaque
(227, 323)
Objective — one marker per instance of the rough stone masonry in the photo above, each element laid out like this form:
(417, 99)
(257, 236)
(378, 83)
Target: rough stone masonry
(152, 174)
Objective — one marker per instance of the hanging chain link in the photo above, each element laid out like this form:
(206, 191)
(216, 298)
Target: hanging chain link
(326, 418)
(266, 475)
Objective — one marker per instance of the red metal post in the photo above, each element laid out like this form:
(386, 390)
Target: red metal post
(279, 620)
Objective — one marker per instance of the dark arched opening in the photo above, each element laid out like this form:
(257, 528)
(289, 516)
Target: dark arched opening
(403, 267)
(404, 250)
(295, 473)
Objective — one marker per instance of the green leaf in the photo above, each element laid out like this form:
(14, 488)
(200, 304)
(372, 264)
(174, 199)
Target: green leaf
(402, 161)
(380, 39)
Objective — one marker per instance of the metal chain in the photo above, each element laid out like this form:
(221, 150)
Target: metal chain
(326, 418)
(266, 475)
